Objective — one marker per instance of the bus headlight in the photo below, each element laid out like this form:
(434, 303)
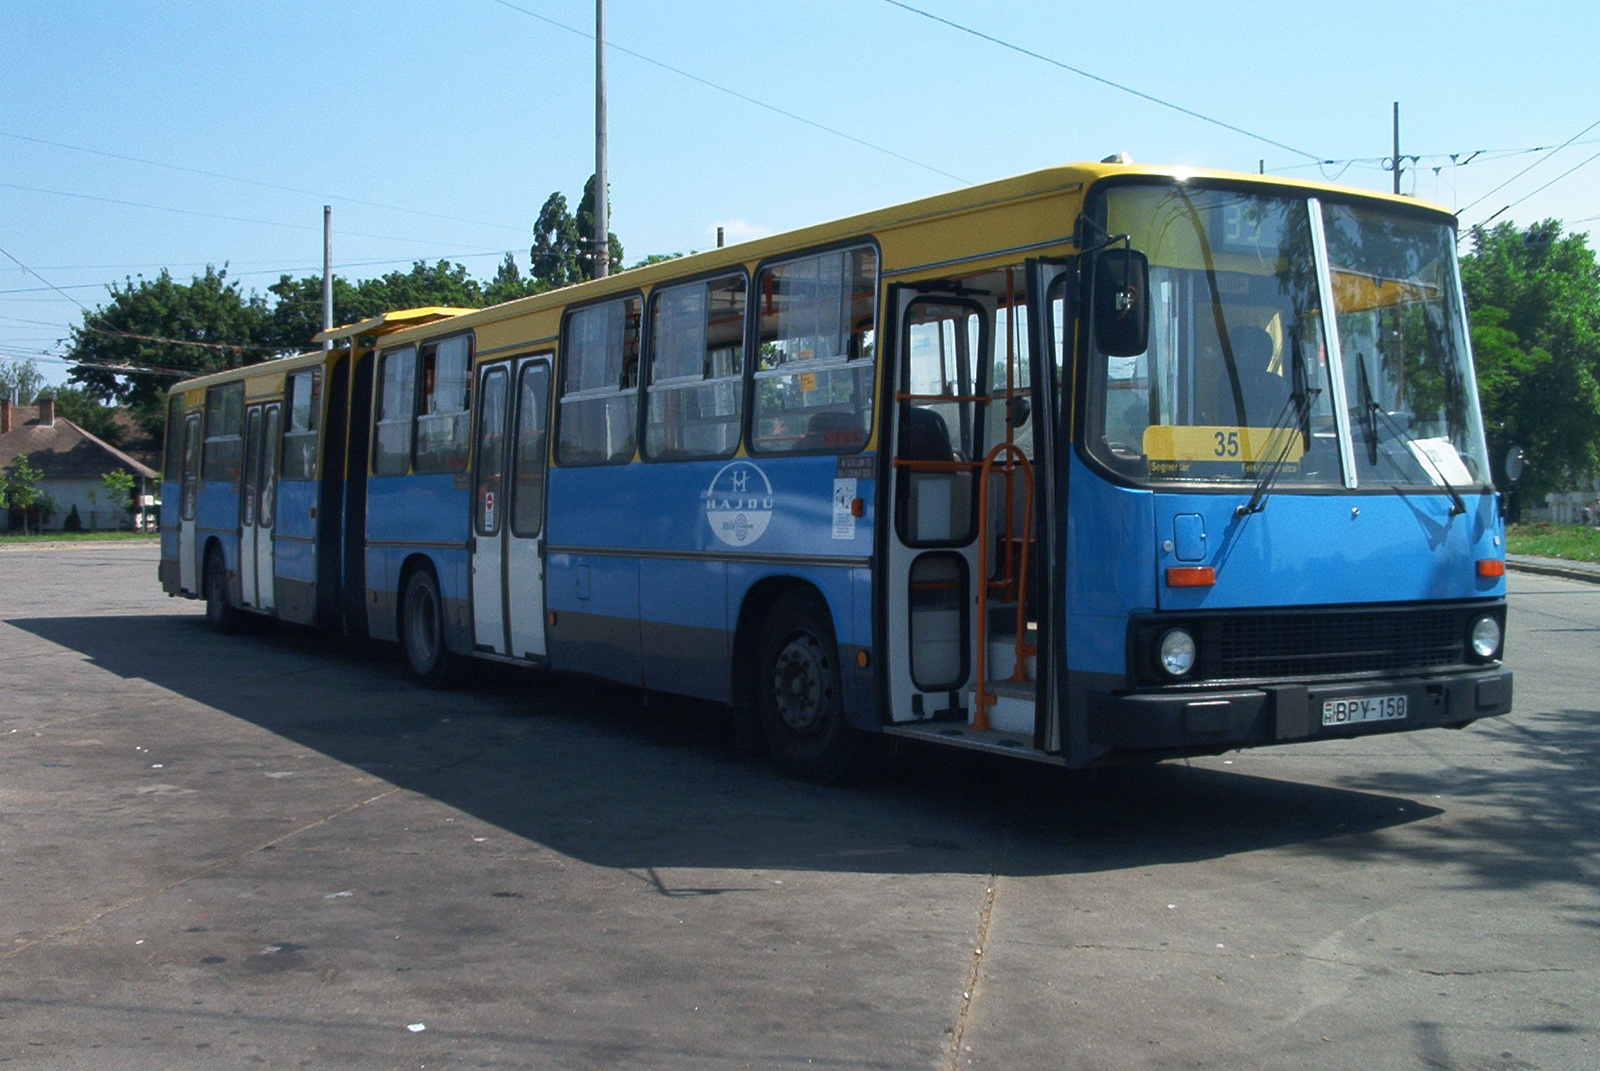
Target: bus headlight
(1175, 653)
(1485, 638)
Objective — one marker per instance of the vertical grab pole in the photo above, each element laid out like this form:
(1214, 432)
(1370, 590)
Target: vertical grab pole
(982, 697)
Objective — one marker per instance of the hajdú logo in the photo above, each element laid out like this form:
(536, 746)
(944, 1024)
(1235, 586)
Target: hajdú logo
(739, 503)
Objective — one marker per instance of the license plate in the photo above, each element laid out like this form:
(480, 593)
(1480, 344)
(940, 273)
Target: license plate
(1363, 708)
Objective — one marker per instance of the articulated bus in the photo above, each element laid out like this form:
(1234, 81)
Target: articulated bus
(1095, 464)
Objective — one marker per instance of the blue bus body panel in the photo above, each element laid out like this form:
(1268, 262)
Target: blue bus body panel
(427, 515)
(294, 552)
(217, 517)
(418, 509)
(1300, 551)
(1318, 550)
(648, 543)
(1108, 568)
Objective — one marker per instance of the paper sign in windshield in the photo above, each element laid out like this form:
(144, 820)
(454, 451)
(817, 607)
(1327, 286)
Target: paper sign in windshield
(1221, 452)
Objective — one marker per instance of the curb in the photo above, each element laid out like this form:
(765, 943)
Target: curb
(1556, 569)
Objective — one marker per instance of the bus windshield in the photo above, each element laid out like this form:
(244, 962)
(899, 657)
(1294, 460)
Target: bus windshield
(1241, 375)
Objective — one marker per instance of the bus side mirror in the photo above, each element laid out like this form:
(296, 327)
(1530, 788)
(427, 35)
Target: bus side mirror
(1121, 302)
(1516, 463)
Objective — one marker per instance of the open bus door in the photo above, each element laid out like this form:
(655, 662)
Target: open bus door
(932, 556)
(968, 576)
(508, 508)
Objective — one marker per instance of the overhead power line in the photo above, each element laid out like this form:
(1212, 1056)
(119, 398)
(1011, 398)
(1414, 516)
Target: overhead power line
(206, 215)
(1541, 189)
(256, 182)
(680, 72)
(1533, 165)
(1098, 78)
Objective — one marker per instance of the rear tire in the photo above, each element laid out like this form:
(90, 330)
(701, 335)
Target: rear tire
(799, 694)
(221, 614)
(422, 631)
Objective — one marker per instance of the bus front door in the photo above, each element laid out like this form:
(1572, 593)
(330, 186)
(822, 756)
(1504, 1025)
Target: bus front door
(508, 508)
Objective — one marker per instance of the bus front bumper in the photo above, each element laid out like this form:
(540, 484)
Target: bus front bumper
(1198, 722)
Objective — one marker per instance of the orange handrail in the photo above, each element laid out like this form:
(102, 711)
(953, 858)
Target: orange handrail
(1013, 577)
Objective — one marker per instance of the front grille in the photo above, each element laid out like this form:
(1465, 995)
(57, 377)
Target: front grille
(1297, 644)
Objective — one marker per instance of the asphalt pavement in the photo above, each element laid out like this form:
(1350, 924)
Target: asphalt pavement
(273, 850)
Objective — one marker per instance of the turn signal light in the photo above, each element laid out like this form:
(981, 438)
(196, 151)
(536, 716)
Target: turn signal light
(1191, 576)
(1490, 568)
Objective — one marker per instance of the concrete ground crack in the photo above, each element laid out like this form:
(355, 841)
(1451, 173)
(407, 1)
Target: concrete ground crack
(969, 988)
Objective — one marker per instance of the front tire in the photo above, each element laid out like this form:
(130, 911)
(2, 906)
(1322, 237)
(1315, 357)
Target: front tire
(800, 695)
(422, 631)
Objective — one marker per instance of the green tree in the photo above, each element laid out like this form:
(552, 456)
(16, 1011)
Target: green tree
(508, 283)
(562, 252)
(175, 328)
(20, 380)
(444, 284)
(297, 313)
(20, 488)
(1534, 298)
(119, 490)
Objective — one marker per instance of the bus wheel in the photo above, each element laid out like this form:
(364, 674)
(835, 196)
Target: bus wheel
(799, 693)
(220, 614)
(422, 631)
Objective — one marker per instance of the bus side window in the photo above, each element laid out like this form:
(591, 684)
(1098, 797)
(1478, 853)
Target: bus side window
(224, 433)
(300, 436)
(442, 424)
(816, 352)
(391, 451)
(600, 379)
(696, 349)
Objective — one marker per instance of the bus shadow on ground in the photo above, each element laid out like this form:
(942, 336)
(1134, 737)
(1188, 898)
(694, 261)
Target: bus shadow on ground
(593, 771)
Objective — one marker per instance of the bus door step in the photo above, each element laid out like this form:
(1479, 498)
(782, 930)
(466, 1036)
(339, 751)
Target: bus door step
(1013, 707)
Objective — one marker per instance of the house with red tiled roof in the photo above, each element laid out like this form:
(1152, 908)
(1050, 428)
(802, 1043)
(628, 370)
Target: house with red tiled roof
(73, 464)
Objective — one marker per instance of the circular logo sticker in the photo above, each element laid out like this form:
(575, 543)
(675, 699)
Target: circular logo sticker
(739, 503)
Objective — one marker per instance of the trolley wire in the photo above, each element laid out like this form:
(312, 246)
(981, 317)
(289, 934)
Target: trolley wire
(1533, 165)
(1096, 78)
(613, 46)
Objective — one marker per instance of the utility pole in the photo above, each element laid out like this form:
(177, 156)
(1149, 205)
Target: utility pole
(327, 273)
(1395, 162)
(602, 224)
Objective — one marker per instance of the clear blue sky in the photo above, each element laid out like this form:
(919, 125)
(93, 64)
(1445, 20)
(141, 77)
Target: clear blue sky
(436, 128)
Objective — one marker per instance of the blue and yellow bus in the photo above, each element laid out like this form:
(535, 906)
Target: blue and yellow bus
(1093, 464)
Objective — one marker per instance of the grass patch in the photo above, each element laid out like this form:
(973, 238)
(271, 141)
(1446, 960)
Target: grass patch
(8, 538)
(1574, 542)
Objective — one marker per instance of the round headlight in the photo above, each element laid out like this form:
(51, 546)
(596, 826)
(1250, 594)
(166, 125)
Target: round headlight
(1486, 638)
(1176, 653)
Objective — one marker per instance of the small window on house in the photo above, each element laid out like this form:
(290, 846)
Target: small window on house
(224, 444)
(600, 380)
(696, 390)
(442, 424)
(816, 352)
(397, 382)
(304, 403)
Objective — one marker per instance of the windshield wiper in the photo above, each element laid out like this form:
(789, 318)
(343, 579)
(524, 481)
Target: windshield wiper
(1296, 409)
(1373, 412)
